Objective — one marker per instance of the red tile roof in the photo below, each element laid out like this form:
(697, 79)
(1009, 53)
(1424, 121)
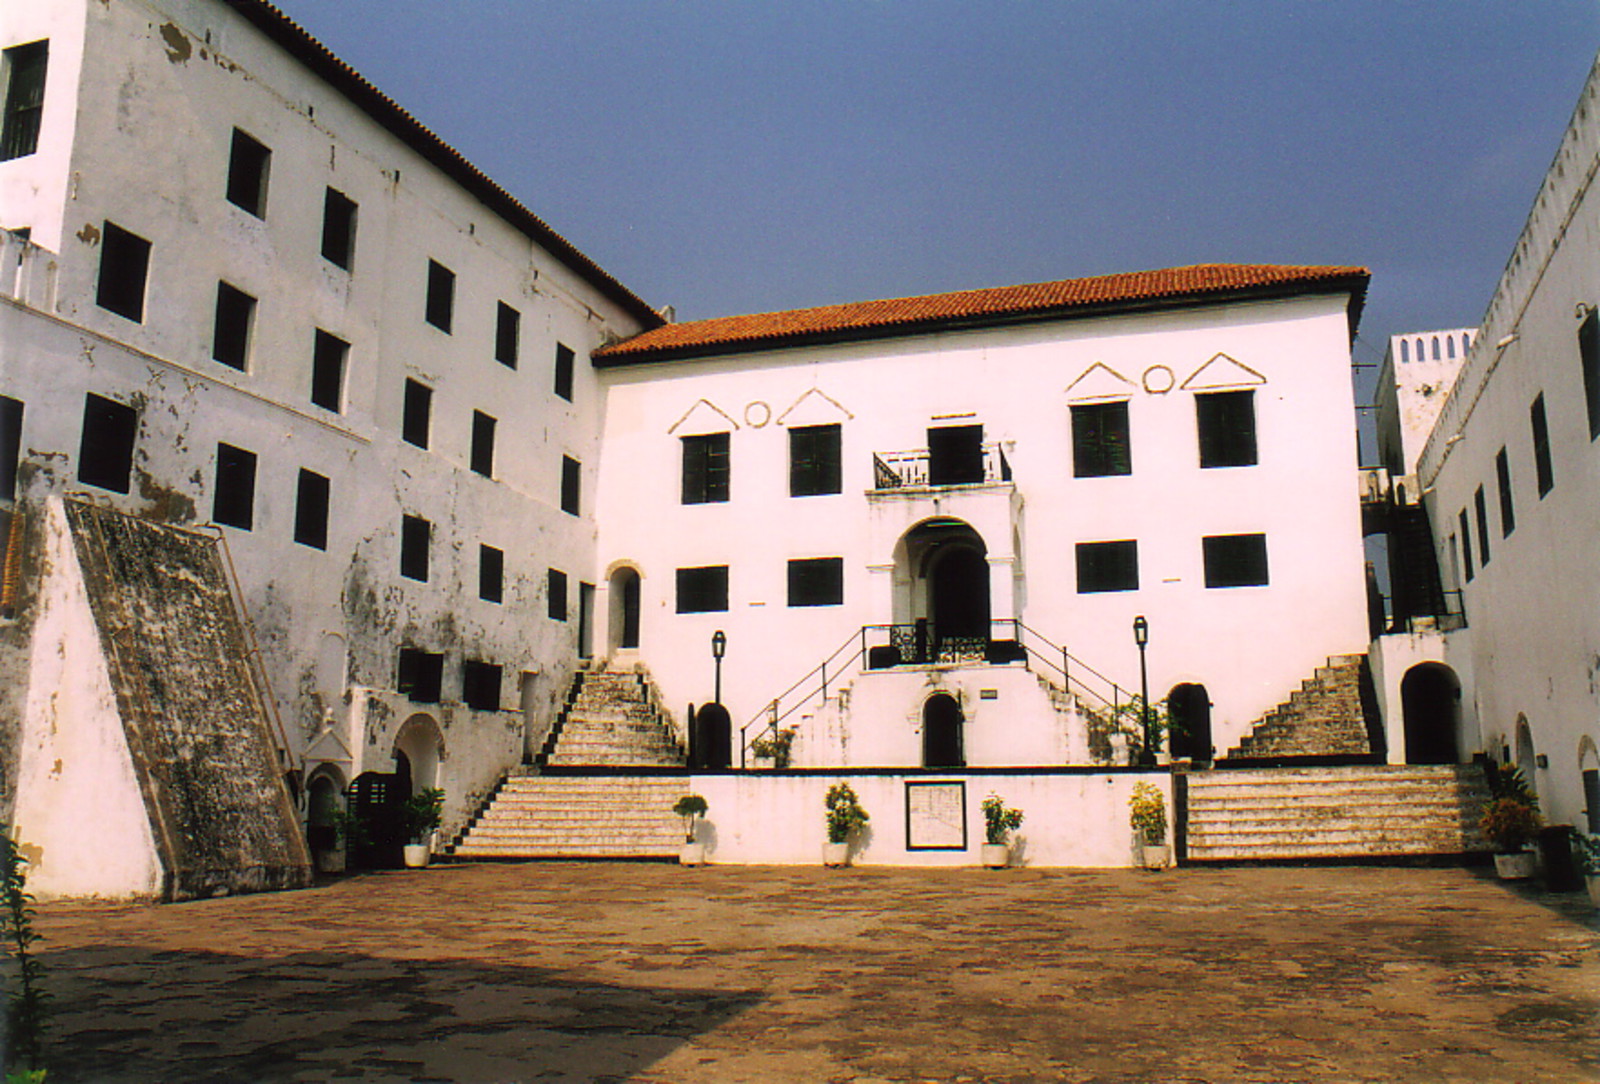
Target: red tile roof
(1070, 298)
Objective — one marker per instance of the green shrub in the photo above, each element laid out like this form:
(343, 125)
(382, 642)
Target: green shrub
(845, 814)
(1147, 814)
(998, 819)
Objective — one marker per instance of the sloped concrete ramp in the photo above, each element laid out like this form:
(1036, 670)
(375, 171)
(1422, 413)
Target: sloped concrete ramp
(147, 765)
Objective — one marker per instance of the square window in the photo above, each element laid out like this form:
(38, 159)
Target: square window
(233, 502)
(248, 162)
(814, 468)
(556, 595)
(1235, 560)
(703, 590)
(564, 366)
(1541, 446)
(441, 295)
(327, 371)
(955, 455)
(507, 330)
(338, 228)
(480, 685)
(1589, 353)
(705, 469)
(105, 457)
(815, 581)
(417, 416)
(421, 675)
(1100, 446)
(416, 535)
(124, 266)
(1466, 544)
(483, 443)
(491, 574)
(311, 510)
(230, 339)
(1108, 566)
(24, 71)
(1227, 424)
(1508, 513)
(571, 481)
(1482, 508)
(10, 445)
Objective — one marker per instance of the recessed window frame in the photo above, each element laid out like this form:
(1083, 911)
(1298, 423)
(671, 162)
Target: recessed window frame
(1589, 358)
(507, 334)
(249, 173)
(25, 69)
(419, 675)
(706, 468)
(329, 357)
(571, 485)
(1466, 545)
(440, 306)
(416, 414)
(1480, 504)
(491, 573)
(1225, 422)
(105, 453)
(555, 590)
(481, 684)
(1508, 511)
(124, 272)
(233, 327)
(816, 581)
(233, 498)
(340, 214)
(416, 540)
(815, 460)
(1102, 445)
(1236, 560)
(483, 429)
(311, 500)
(566, 365)
(1544, 469)
(11, 412)
(1107, 566)
(702, 589)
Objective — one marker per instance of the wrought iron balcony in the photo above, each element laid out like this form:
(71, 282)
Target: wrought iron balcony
(920, 468)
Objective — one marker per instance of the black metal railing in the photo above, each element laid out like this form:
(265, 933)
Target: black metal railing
(916, 468)
(1448, 613)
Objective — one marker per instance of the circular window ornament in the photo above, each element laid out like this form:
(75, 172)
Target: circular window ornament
(1158, 380)
(757, 414)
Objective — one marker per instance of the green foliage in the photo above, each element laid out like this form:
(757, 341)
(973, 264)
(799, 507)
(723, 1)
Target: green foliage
(1147, 814)
(998, 819)
(422, 813)
(1129, 719)
(689, 807)
(776, 746)
(1506, 781)
(26, 1006)
(1587, 851)
(845, 814)
(348, 828)
(1510, 823)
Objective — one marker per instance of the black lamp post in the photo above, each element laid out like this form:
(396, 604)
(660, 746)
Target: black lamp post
(719, 648)
(1141, 636)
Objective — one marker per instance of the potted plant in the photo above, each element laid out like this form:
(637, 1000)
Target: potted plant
(348, 832)
(691, 807)
(1588, 848)
(421, 814)
(845, 817)
(1147, 815)
(1510, 822)
(999, 821)
(772, 750)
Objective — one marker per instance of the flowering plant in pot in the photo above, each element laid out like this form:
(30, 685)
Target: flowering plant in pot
(774, 747)
(1147, 816)
(999, 821)
(845, 818)
(421, 814)
(1588, 854)
(691, 807)
(1510, 822)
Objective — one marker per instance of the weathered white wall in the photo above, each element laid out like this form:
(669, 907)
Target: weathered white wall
(1415, 378)
(34, 189)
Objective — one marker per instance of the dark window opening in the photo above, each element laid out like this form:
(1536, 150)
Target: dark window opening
(1466, 545)
(124, 266)
(1235, 560)
(441, 295)
(816, 581)
(1482, 508)
(564, 367)
(480, 685)
(483, 443)
(1591, 799)
(1227, 425)
(105, 457)
(420, 676)
(230, 339)
(327, 371)
(417, 415)
(1100, 445)
(571, 480)
(1108, 566)
(338, 229)
(955, 455)
(814, 467)
(1589, 351)
(705, 469)
(233, 502)
(416, 534)
(1508, 514)
(703, 590)
(248, 163)
(556, 595)
(25, 67)
(1541, 446)
(491, 574)
(507, 330)
(311, 510)
(10, 445)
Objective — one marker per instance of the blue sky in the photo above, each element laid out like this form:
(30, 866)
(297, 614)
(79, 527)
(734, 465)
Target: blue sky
(729, 157)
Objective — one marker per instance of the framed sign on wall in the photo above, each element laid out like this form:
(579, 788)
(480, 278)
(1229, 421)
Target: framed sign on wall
(936, 815)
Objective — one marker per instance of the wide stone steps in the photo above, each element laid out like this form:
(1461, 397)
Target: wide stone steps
(1369, 811)
(577, 817)
(611, 721)
(1324, 717)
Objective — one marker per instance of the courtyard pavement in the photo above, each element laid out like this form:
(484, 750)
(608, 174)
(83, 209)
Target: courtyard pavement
(649, 972)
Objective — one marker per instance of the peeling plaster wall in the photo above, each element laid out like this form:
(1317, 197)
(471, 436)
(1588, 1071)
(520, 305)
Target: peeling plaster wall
(35, 189)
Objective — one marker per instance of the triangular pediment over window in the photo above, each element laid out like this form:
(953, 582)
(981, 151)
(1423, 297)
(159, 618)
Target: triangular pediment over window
(815, 407)
(1098, 383)
(702, 418)
(1222, 372)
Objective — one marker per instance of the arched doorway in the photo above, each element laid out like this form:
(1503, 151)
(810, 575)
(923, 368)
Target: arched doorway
(942, 606)
(418, 749)
(1430, 703)
(1189, 711)
(324, 798)
(941, 733)
(623, 620)
(1589, 772)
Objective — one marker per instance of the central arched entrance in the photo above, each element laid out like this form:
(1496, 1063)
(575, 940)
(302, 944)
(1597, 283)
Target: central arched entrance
(942, 604)
(623, 622)
(942, 745)
(1189, 712)
(1430, 704)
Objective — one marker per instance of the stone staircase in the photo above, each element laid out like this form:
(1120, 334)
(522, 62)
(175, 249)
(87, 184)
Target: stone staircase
(534, 816)
(1359, 811)
(612, 719)
(1324, 718)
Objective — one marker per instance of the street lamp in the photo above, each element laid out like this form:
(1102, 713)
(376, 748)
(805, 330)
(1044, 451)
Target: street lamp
(719, 648)
(1141, 637)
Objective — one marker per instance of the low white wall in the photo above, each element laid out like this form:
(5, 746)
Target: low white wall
(1070, 819)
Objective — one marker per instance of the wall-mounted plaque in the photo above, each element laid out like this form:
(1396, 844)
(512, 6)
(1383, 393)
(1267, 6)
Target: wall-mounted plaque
(936, 815)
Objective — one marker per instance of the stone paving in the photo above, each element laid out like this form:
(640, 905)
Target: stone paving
(649, 972)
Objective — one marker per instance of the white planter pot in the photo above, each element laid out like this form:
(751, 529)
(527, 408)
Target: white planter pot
(1594, 888)
(835, 854)
(996, 855)
(692, 854)
(416, 855)
(1155, 855)
(762, 764)
(1515, 867)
